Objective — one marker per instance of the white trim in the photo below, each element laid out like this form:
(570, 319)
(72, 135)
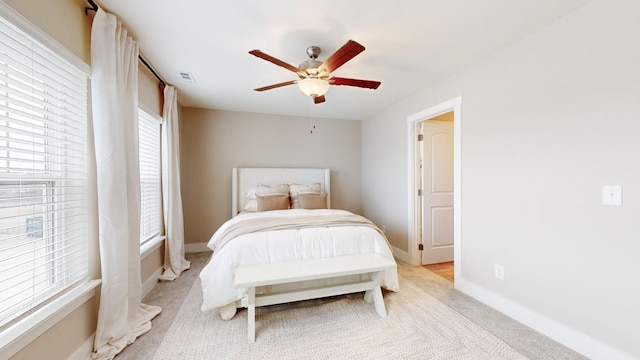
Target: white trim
(84, 351)
(454, 104)
(150, 246)
(151, 113)
(561, 333)
(23, 332)
(151, 282)
(400, 255)
(195, 248)
(42, 37)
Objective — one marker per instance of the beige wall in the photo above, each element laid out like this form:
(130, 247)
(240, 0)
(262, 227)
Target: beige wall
(150, 94)
(60, 341)
(545, 124)
(64, 20)
(448, 117)
(213, 142)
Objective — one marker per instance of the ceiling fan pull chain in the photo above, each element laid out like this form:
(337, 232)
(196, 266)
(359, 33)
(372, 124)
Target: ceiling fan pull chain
(313, 121)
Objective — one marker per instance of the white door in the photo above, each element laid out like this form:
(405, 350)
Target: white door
(437, 185)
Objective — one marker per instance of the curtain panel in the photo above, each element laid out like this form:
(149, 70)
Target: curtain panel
(114, 85)
(174, 261)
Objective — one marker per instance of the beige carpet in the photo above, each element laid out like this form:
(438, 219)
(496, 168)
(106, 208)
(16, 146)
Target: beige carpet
(418, 326)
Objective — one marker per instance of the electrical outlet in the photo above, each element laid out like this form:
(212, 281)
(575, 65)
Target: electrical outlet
(498, 271)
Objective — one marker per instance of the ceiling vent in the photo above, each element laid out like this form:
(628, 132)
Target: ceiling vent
(187, 76)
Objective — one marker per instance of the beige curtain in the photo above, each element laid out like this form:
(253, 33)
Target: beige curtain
(114, 86)
(174, 261)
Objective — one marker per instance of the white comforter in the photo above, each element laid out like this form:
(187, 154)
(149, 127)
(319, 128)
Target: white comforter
(284, 245)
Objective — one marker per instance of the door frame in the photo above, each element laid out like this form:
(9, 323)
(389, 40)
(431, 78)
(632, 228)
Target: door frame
(454, 105)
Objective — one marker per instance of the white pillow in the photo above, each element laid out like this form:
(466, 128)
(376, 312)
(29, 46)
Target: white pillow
(295, 189)
(252, 205)
(267, 190)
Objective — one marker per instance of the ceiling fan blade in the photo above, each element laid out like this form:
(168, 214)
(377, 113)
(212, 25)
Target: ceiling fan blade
(347, 52)
(271, 59)
(369, 84)
(276, 85)
(318, 99)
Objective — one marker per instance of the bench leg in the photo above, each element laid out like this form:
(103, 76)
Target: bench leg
(375, 294)
(251, 315)
(378, 300)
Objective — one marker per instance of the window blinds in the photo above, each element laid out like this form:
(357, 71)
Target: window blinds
(43, 179)
(150, 187)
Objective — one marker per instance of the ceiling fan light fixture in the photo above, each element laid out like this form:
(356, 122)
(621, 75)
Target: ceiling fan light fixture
(315, 76)
(313, 87)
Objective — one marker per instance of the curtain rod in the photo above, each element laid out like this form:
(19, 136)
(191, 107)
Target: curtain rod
(146, 64)
(94, 7)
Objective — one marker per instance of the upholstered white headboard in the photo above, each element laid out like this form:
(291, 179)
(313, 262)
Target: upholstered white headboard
(245, 178)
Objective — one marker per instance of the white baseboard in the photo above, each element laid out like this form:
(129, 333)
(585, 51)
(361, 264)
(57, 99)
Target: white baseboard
(85, 350)
(400, 255)
(194, 248)
(561, 333)
(148, 285)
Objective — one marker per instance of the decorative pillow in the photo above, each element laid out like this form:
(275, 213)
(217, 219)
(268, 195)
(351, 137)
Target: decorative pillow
(295, 189)
(270, 190)
(309, 201)
(260, 189)
(272, 202)
(252, 205)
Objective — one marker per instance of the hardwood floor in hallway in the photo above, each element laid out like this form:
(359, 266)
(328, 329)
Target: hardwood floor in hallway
(444, 270)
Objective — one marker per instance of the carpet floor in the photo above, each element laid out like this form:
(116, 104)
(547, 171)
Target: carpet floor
(427, 319)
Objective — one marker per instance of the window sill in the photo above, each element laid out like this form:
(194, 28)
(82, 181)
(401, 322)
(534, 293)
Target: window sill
(20, 334)
(150, 246)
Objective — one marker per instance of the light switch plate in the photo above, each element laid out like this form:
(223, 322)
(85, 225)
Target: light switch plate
(612, 195)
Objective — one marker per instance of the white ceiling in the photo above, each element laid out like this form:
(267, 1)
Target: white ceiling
(410, 44)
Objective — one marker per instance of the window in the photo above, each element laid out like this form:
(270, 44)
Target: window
(150, 186)
(43, 179)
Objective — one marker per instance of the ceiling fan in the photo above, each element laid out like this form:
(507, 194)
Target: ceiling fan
(315, 76)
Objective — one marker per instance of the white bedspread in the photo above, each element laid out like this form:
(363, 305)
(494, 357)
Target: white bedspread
(285, 245)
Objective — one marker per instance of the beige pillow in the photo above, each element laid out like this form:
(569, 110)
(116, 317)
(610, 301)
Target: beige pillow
(309, 201)
(252, 204)
(272, 202)
(296, 189)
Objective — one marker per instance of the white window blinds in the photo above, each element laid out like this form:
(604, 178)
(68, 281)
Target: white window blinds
(150, 187)
(43, 179)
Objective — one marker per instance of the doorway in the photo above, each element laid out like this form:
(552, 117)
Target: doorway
(447, 217)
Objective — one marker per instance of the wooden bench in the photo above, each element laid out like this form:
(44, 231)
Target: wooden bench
(252, 276)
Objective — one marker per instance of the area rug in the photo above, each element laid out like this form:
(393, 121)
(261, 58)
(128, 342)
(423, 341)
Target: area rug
(418, 326)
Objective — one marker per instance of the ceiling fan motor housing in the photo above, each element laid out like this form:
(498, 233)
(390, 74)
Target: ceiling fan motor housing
(311, 67)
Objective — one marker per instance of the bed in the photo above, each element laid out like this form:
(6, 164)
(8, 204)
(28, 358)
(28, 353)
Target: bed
(263, 231)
